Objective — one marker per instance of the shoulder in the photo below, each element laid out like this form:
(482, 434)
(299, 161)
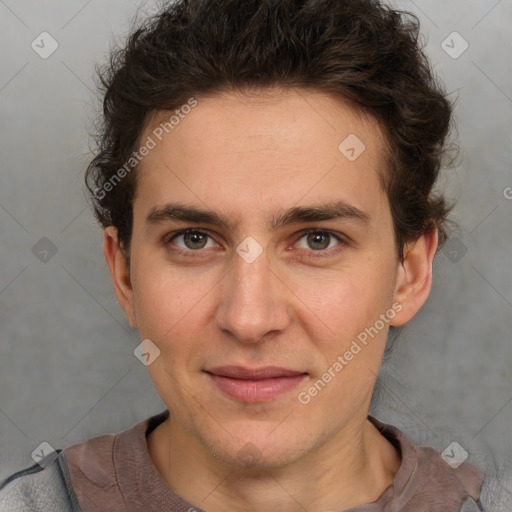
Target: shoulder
(93, 473)
(79, 477)
(43, 487)
(488, 484)
(444, 483)
(497, 487)
(86, 476)
(93, 459)
(448, 467)
(105, 468)
(427, 478)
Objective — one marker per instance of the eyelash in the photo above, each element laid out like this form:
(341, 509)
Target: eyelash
(343, 241)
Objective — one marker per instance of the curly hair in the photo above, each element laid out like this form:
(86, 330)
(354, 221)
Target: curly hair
(359, 50)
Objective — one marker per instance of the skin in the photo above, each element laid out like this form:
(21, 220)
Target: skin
(248, 157)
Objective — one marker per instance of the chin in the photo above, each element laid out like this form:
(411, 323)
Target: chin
(260, 452)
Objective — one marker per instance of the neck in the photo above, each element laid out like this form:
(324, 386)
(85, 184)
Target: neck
(351, 469)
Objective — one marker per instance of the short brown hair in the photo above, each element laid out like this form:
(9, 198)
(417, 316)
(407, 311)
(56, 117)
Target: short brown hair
(359, 50)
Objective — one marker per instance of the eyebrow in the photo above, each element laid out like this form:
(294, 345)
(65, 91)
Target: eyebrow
(338, 210)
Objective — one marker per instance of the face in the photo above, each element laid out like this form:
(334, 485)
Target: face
(258, 309)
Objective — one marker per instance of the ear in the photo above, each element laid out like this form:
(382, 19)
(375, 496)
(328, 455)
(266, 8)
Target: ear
(414, 277)
(119, 273)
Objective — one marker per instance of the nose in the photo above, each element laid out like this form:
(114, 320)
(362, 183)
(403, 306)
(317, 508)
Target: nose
(254, 300)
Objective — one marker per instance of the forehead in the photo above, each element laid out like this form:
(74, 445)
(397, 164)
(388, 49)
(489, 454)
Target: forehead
(263, 150)
(309, 114)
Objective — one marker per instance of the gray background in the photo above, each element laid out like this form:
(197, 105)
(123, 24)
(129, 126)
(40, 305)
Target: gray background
(67, 369)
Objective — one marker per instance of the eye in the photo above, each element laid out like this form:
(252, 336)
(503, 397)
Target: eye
(191, 240)
(320, 240)
(313, 240)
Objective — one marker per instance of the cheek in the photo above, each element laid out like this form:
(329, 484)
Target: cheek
(169, 302)
(348, 299)
(351, 351)
(172, 311)
(350, 304)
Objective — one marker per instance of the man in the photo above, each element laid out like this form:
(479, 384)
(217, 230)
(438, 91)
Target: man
(264, 182)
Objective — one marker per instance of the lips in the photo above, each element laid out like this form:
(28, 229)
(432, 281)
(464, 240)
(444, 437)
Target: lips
(267, 372)
(254, 385)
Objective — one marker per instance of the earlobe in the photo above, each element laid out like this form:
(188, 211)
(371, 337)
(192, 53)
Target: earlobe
(414, 276)
(119, 273)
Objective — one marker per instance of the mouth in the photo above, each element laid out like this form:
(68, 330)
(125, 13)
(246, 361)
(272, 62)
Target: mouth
(257, 385)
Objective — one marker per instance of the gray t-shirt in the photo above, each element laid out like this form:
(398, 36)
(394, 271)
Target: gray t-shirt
(114, 473)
